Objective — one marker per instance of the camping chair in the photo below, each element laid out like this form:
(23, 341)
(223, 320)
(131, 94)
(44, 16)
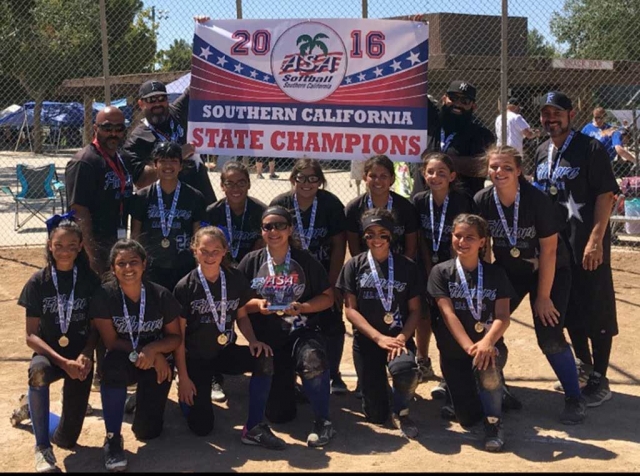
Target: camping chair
(39, 187)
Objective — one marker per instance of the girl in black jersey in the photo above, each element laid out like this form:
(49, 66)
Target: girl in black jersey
(437, 207)
(524, 228)
(213, 297)
(56, 300)
(165, 216)
(291, 292)
(379, 175)
(472, 299)
(382, 299)
(237, 213)
(319, 225)
(137, 320)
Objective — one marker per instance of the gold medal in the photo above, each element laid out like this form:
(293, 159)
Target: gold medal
(388, 318)
(165, 243)
(553, 190)
(280, 313)
(479, 327)
(223, 339)
(63, 341)
(515, 252)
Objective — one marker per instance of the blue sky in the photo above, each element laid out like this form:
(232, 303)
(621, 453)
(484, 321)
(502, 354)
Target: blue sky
(179, 23)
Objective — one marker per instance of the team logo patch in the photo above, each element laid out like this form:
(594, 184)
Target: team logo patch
(309, 61)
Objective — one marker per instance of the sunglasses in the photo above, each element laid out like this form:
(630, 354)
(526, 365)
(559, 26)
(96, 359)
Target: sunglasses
(279, 225)
(371, 236)
(302, 178)
(465, 101)
(108, 127)
(154, 99)
(238, 184)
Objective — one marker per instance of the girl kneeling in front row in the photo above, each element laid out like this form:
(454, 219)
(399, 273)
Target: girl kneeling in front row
(472, 299)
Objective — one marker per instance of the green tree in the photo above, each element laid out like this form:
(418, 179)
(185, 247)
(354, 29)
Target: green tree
(538, 46)
(47, 41)
(307, 44)
(177, 57)
(599, 29)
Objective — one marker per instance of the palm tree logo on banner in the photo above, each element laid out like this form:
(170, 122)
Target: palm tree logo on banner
(308, 44)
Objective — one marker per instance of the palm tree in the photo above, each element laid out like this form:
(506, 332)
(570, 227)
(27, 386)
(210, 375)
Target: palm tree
(308, 44)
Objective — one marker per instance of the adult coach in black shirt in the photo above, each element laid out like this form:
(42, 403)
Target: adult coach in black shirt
(461, 136)
(99, 188)
(164, 122)
(575, 170)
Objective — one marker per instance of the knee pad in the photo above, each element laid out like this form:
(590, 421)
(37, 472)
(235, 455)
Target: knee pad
(490, 379)
(314, 363)
(405, 381)
(38, 375)
(263, 366)
(554, 346)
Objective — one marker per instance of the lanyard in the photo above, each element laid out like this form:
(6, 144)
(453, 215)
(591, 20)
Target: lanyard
(436, 244)
(475, 312)
(121, 172)
(306, 237)
(166, 222)
(512, 235)
(388, 300)
(272, 271)
(552, 168)
(174, 137)
(389, 202)
(125, 311)
(222, 319)
(235, 249)
(64, 317)
(445, 142)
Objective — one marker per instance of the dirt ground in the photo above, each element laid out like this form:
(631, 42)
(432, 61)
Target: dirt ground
(535, 441)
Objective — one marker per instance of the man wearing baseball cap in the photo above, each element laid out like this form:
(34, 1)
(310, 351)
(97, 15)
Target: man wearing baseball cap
(575, 170)
(517, 126)
(164, 122)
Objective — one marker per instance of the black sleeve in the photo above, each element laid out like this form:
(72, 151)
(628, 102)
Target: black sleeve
(347, 279)
(547, 218)
(352, 216)
(601, 177)
(136, 153)
(414, 283)
(139, 206)
(317, 276)
(204, 185)
(31, 297)
(180, 108)
(338, 221)
(181, 293)
(412, 221)
(99, 307)
(80, 184)
(246, 266)
(438, 284)
(170, 306)
(246, 293)
(199, 208)
(503, 285)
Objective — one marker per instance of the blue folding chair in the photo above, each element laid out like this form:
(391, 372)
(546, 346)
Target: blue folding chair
(39, 188)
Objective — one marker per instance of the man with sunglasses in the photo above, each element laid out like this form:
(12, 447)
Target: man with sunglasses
(164, 122)
(608, 135)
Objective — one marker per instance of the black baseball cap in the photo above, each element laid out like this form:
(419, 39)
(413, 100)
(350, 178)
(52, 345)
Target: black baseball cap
(514, 101)
(152, 88)
(462, 87)
(557, 99)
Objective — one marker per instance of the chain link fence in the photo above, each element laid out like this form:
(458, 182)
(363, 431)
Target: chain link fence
(51, 72)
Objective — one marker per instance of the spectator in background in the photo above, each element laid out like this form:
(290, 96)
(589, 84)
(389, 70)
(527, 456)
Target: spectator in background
(517, 126)
(609, 136)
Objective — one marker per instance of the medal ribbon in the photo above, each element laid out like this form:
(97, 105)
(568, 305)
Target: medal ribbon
(222, 319)
(165, 223)
(475, 312)
(552, 168)
(306, 237)
(174, 137)
(445, 142)
(436, 244)
(64, 311)
(389, 202)
(234, 250)
(121, 172)
(386, 301)
(127, 319)
(512, 235)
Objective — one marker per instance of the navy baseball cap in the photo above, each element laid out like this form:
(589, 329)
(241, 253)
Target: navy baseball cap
(557, 99)
(152, 88)
(462, 87)
(514, 101)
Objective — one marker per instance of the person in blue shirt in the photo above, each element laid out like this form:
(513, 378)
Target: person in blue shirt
(609, 136)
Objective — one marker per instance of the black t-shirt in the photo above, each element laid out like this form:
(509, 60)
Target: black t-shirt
(161, 308)
(189, 210)
(330, 221)
(459, 202)
(445, 282)
(538, 218)
(405, 215)
(202, 332)
(356, 278)
(307, 278)
(91, 183)
(138, 146)
(584, 173)
(40, 300)
(247, 231)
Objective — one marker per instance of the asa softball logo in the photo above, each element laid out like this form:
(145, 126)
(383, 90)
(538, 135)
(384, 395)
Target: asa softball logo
(309, 61)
